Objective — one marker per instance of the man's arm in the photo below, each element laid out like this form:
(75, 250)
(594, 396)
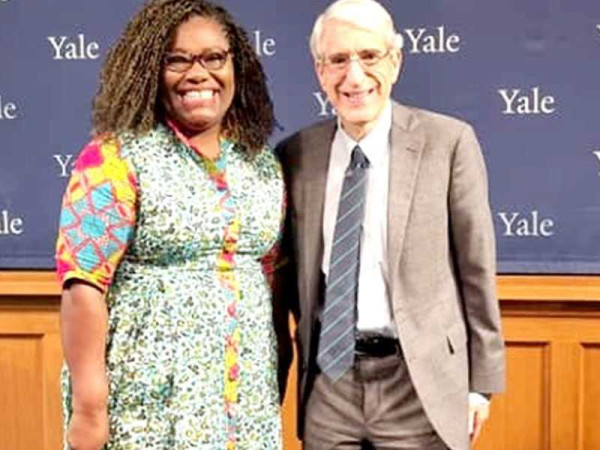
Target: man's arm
(474, 250)
(475, 255)
(284, 289)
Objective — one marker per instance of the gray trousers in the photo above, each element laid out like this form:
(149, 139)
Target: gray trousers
(373, 406)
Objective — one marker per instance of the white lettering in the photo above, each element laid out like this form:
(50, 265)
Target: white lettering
(438, 41)
(325, 108)
(532, 103)
(73, 49)
(263, 46)
(10, 225)
(56, 45)
(597, 153)
(63, 161)
(414, 40)
(8, 110)
(520, 225)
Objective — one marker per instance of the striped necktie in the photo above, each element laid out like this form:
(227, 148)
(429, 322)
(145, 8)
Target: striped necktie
(338, 320)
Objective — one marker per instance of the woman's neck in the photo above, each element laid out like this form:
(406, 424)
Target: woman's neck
(207, 143)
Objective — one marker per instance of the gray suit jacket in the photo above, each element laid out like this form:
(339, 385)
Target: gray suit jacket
(441, 259)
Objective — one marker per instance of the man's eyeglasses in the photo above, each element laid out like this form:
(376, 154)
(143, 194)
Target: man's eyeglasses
(182, 62)
(366, 58)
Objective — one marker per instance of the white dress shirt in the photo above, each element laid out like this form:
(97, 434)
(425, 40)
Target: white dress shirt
(374, 311)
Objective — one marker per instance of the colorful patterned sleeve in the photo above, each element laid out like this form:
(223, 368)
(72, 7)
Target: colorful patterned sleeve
(98, 215)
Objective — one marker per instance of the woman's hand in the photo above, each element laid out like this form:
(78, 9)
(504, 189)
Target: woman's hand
(88, 429)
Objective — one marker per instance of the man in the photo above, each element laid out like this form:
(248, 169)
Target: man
(392, 255)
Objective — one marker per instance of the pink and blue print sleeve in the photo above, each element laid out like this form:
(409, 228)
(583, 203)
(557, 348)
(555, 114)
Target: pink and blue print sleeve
(98, 215)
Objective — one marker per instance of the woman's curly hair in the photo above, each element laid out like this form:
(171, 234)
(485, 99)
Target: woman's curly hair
(128, 99)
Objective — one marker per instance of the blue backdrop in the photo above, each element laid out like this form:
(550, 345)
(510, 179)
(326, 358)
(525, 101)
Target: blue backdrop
(524, 73)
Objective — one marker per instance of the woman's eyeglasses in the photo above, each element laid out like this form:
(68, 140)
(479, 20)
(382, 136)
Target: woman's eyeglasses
(182, 62)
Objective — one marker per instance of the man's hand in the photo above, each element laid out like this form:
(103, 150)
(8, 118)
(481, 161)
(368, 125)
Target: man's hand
(88, 430)
(479, 411)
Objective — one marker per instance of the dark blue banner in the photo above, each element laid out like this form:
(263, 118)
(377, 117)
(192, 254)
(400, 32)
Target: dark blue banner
(525, 74)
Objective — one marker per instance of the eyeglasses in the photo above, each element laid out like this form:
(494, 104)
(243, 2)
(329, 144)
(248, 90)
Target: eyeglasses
(182, 62)
(366, 58)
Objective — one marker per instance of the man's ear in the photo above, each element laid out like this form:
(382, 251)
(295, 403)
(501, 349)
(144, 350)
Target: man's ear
(397, 60)
(319, 71)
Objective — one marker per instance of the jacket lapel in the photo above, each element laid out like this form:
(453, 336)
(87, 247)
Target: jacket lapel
(315, 175)
(407, 141)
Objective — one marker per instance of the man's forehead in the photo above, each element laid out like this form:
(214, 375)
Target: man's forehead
(349, 35)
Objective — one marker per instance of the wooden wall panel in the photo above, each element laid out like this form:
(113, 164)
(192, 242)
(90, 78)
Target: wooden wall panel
(289, 409)
(20, 377)
(565, 395)
(30, 359)
(570, 334)
(590, 426)
(515, 423)
(551, 326)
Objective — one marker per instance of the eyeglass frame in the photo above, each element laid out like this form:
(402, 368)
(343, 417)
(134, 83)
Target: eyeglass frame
(354, 56)
(196, 58)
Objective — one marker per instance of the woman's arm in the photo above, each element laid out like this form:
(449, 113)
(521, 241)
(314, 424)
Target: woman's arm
(97, 222)
(84, 318)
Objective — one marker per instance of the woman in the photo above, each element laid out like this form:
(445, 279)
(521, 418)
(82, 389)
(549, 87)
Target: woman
(168, 224)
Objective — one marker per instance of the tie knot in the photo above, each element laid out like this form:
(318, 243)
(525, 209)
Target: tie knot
(358, 160)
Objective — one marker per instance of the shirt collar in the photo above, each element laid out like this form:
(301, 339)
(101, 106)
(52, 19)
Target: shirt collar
(375, 145)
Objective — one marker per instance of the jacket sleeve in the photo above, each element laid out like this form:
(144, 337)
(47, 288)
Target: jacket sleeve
(285, 298)
(473, 241)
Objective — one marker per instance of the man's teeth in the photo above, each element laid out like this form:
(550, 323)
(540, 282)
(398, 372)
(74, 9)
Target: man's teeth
(354, 95)
(204, 94)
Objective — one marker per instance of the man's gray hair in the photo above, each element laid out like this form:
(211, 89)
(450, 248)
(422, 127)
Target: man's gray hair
(367, 14)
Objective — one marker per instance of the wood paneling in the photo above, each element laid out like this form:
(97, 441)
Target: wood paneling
(28, 283)
(516, 424)
(20, 368)
(30, 360)
(551, 326)
(289, 409)
(553, 388)
(549, 288)
(590, 399)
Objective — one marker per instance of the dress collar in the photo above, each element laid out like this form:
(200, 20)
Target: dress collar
(224, 143)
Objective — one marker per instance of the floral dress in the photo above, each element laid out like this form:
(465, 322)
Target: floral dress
(181, 245)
